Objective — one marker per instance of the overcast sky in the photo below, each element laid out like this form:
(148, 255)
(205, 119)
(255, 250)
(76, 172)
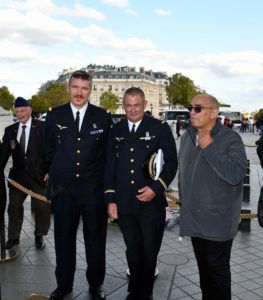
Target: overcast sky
(218, 44)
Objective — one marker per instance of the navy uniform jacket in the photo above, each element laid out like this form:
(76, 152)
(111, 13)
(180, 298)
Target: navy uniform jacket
(2, 190)
(34, 161)
(126, 156)
(76, 157)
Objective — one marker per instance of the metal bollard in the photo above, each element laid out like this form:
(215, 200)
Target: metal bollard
(246, 192)
(245, 224)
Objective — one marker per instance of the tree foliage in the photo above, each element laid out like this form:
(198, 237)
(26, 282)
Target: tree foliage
(181, 90)
(6, 98)
(109, 101)
(259, 114)
(55, 94)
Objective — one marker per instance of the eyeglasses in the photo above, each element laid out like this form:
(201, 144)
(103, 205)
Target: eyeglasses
(198, 108)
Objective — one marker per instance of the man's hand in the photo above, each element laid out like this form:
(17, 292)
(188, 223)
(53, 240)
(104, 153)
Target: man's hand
(204, 138)
(113, 211)
(146, 194)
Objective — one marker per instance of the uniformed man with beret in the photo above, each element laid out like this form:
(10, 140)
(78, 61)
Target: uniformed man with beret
(76, 134)
(134, 195)
(24, 140)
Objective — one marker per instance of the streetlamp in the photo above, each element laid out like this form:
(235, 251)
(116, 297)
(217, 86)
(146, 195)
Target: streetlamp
(151, 107)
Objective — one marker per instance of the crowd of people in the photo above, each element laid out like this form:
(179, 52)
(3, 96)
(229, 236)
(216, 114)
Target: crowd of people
(91, 168)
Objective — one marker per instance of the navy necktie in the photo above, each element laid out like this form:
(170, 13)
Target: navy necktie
(133, 129)
(22, 140)
(77, 120)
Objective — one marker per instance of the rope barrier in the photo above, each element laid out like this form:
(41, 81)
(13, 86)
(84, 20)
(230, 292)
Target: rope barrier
(27, 191)
(173, 202)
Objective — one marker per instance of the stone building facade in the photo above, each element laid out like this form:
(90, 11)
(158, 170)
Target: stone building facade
(118, 79)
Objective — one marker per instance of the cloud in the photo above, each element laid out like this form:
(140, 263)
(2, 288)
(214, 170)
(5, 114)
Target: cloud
(162, 12)
(47, 7)
(12, 52)
(117, 3)
(31, 5)
(96, 36)
(81, 11)
(34, 28)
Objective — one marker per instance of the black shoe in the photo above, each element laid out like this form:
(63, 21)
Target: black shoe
(59, 294)
(39, 242)
(133, 296)
(11, 243)
(97, 293)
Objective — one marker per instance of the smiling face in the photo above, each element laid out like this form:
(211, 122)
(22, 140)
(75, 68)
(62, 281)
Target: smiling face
(206, 118)
(79, 91)
(23, 113)
(134, 107)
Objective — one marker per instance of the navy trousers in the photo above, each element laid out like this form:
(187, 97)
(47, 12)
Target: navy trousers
(143, 237)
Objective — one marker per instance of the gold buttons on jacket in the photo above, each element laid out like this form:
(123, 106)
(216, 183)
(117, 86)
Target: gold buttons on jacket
(77, 163)
(78, 139)
(132, 182)
(77, 175)
(131, 160)
(132, 171)
(78, 151)
(131, 149)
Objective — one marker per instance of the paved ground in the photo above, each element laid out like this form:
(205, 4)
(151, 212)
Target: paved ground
(33, 271)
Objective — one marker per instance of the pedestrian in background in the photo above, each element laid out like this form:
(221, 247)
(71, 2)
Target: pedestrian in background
(212, 166)
(134, 198)
(76, 135)
(179, 125)
(24, 141)
(259, 144)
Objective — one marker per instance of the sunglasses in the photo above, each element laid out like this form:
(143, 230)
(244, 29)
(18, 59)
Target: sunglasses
(198, 108)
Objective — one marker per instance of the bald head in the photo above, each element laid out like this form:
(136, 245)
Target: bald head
(205, 116)
(213, 102)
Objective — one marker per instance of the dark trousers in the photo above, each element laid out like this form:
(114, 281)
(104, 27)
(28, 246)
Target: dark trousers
(213, 259)
(143, 237)
(67, 215)
(16, 209)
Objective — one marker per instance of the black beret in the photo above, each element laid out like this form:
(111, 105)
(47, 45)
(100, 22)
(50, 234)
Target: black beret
(21, 102)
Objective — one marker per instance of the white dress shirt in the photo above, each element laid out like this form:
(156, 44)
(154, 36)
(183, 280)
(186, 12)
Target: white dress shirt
(81, 113)
(27, 130)
(130, 124)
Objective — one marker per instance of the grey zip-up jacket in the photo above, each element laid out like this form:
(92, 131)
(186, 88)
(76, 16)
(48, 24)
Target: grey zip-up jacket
(211, 184)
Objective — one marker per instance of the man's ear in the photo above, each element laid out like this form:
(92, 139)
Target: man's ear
(214, 113)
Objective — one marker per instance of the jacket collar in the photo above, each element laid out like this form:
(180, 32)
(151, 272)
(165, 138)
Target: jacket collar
(192, 131)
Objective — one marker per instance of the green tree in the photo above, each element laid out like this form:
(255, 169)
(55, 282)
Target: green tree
(181, 90)
(6, 98)
(55, 94)
(109, 101)
(258, 114)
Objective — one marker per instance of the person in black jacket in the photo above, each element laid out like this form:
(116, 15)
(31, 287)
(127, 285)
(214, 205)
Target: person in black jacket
(259, 144)
(2, 190)
(76, 135)
(24, 140)
(135, 197)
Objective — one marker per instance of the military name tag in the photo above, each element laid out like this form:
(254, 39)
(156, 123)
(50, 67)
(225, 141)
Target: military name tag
(96, 131)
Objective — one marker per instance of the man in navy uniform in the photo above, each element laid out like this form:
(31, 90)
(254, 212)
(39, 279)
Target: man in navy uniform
(133, 197)
(2, 191)
(24, 140)
(75, 143)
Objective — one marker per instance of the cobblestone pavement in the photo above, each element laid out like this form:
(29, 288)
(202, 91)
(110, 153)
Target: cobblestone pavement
(32, 272)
